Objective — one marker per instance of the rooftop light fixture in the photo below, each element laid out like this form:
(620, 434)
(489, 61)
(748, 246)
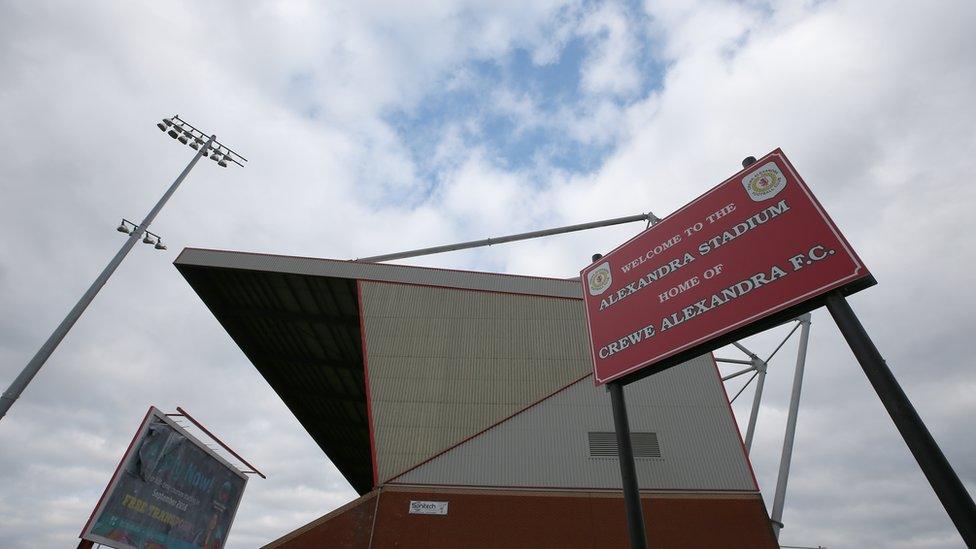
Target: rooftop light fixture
(187, 135)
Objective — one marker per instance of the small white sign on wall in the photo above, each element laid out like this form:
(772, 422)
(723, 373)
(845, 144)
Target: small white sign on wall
(428, 507)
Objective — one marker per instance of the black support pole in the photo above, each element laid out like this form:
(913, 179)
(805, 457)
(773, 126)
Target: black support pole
(946, 484)
(628, 471)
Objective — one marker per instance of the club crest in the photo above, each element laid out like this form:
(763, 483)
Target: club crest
(599, 279)
(764, 183)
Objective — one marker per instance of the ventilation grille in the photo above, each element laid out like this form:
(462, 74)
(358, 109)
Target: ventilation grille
(604, 445)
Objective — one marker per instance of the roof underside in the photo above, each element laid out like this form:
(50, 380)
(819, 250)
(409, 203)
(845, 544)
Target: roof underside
(302, 334)
(298, 321)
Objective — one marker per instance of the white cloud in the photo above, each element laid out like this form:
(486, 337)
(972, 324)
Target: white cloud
(611, 67)
(873, 106)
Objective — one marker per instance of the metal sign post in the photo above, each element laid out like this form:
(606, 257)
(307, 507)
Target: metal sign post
(628, 470)
(803, 324)
(779, 499)
(946, 484)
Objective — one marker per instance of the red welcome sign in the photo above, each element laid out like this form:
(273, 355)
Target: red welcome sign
(755, 245)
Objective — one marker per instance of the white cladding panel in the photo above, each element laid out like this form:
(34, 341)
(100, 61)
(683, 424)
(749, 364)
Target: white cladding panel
(546, 446)
(444, 364)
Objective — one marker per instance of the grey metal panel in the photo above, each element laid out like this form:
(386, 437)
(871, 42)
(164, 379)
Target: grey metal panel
(444, 364)
(546, 446)
(494, 282)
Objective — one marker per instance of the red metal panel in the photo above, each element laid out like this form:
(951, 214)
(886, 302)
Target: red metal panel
(348, 527)
(492, 519)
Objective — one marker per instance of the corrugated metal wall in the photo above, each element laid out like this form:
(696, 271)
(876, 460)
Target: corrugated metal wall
(444, 364)
(546, 446)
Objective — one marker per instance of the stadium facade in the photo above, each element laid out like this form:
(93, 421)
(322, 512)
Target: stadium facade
(461, 407)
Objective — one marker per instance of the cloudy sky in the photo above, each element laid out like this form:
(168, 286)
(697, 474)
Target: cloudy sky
(373, 127)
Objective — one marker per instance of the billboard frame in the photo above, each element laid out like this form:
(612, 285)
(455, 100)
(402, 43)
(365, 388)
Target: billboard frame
(152, 413)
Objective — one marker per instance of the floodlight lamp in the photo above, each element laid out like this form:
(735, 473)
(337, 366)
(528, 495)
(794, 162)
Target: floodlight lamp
(182, 139)
(195, 144)
(168, 122)
(148, 239)
(159, 245)
(122, 228)
(223, 162)
(161, 126)
(215, 157)
(173, 133)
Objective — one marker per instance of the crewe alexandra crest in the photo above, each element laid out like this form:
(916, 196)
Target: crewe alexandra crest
(764, 183)
(599, 279)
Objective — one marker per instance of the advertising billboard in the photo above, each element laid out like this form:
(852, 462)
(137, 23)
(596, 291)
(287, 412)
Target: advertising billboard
(751, 247)
(170, 491)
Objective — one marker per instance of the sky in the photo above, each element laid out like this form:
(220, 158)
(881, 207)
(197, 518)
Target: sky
(373, 127)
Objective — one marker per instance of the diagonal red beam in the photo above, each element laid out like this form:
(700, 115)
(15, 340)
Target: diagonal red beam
(254, 469)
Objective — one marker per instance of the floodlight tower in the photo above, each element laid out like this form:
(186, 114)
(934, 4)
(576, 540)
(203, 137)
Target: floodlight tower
(186, 134)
